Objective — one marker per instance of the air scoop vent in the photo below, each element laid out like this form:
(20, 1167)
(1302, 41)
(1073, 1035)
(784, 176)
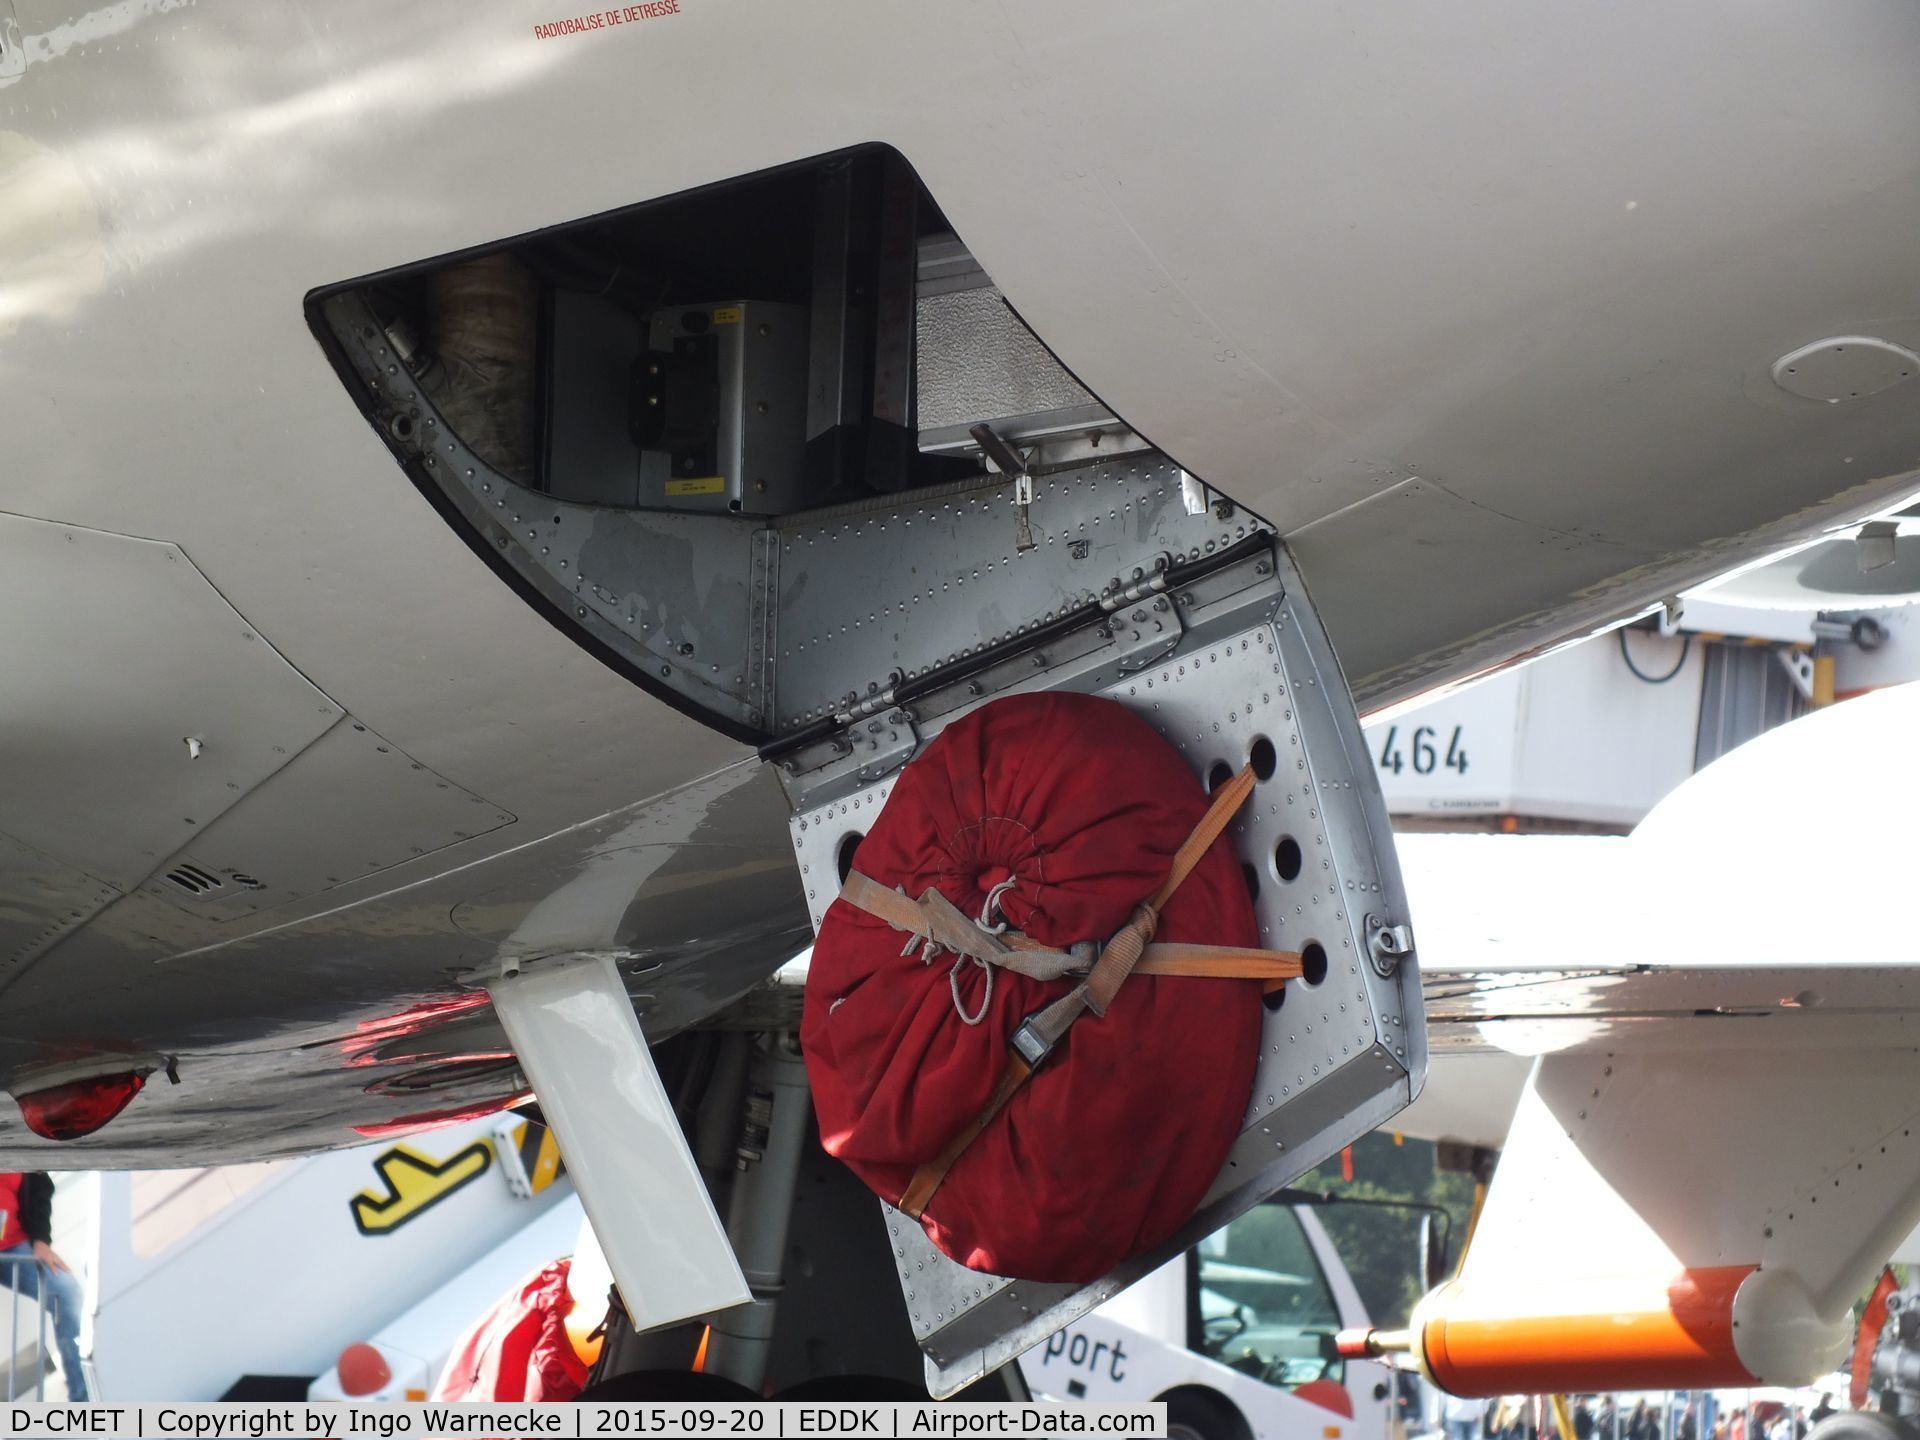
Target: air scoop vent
(1844, 367)
(194, 880)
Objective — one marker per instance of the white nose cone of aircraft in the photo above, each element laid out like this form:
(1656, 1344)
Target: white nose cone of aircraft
(1796, 849)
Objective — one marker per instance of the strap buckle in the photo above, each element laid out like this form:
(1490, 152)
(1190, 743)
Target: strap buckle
(1030, 1043)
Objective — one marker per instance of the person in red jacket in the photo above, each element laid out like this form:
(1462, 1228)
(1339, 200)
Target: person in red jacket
(26, 1234)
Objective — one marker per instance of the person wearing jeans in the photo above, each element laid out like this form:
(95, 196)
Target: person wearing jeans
(1464, 1418)
(26, 1232)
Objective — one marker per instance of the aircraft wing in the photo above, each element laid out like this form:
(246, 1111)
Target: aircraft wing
(1696, 1047)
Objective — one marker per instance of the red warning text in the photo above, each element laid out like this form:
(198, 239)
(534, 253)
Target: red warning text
(606, 19)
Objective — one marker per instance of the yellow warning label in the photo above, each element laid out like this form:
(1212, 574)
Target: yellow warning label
(703, 485)
(727, 315)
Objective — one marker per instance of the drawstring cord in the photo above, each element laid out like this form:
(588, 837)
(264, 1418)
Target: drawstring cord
(992, 905)
(929, 950)
(986, 996)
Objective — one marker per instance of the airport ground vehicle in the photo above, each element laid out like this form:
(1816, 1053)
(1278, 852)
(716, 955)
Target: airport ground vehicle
(1235, 1335)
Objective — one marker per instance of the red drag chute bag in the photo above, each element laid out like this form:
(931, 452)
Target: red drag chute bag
(1111, 1144)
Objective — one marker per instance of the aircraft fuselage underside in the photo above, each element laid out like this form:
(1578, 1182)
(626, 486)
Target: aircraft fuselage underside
(301, 741)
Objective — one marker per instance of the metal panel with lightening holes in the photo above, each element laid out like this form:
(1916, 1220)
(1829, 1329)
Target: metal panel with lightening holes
(1247, 677)
(352, 804)
(130, 676)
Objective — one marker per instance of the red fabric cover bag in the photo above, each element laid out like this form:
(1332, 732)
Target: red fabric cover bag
(518, 1351)
(1110, 1146)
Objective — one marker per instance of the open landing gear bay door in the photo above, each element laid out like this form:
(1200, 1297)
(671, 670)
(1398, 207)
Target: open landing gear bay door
(732, 443)
(1195, 619)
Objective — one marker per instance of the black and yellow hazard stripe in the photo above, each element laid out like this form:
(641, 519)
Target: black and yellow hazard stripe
(539, 1155)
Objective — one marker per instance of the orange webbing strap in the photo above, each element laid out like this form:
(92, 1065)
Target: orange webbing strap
(927, 1178)
(1123, 952)
(892, 906)
(933, 917)
(1227, 801)
(1220, 962)
(1117, 961)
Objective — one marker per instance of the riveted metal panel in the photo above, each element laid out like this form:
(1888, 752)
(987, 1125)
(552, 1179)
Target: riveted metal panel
(665, 595)
(351, 805)
(921, 583)
(129, 675)
(1249, 678)
(41, 899)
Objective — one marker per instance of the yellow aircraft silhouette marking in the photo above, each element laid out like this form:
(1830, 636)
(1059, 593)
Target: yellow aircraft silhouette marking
(415, 1183)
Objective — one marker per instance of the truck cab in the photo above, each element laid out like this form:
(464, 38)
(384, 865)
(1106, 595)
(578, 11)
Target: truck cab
(1236, 1335)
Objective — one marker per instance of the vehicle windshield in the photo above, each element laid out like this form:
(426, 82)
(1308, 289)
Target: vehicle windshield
(1265, 1308)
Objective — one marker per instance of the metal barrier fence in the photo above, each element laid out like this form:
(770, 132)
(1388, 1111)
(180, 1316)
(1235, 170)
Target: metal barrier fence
(21, 1384)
